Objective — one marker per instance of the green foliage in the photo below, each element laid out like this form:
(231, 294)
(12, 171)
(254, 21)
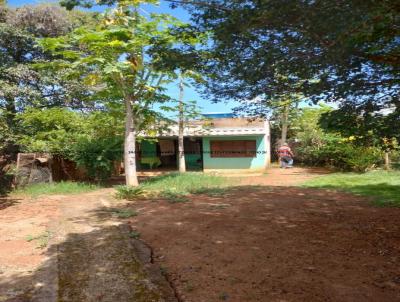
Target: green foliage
(342, 155)
(53, 130)
(128, 192)
(6, 180)
(98, 155)
(134, 234)
(382, 186)
(120, 62)
(56, 188)
(345, 51)
(368, 126)
(7, 136)
(173, 196)
(94, 140)
(22, 83)
(317, 147)
(176, 187)
(114, 61)
(124, 213)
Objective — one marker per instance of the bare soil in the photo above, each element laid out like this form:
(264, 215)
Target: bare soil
(264, 240)
(73, 248)
(275, 243)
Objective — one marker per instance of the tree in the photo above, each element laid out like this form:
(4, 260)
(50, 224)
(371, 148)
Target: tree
(117, 62)
(366, 126)
(21, 84)
(186, 111)
(181, 116)
(342, 51)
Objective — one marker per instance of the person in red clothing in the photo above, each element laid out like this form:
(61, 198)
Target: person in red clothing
(285, 156)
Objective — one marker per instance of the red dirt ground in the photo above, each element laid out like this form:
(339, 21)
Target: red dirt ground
(275, 243)
(269, 243)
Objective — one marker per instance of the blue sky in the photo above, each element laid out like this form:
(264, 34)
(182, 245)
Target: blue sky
(190, 93)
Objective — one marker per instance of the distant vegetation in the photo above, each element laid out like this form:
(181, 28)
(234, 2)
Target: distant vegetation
(382, 186)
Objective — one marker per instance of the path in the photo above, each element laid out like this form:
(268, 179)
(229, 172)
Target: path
(285, 177)
(274, 242)
(88, 256)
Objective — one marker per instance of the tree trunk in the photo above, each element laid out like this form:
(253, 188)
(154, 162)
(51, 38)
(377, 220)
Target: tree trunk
(387, 160)
(130, 146)
(285, 123)
(181, 150)
(267, 144)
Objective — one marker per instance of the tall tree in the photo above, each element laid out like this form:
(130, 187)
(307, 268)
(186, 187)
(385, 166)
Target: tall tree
(344, 51)
(181, 129)
(119, 63)
(21, 83)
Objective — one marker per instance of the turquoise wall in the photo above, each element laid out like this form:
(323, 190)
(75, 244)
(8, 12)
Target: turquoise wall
(256, 163)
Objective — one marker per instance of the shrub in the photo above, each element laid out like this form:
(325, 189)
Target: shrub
(5, 183)
(341, 155)
(98, 155)
(129, 193)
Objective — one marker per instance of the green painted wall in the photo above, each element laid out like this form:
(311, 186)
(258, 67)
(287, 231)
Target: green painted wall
(256, 163)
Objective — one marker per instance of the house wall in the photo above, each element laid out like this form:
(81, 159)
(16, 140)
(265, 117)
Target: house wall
(234, 163)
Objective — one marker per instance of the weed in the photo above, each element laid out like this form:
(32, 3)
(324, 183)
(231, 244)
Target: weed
(212, 192)
(173, 197)
(129, 193)
(124, 213)
(223, 297)
(134, 234)
(42, 239)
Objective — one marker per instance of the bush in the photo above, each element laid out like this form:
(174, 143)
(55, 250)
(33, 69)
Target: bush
(5, 183)
(98, 155)
(341, 155)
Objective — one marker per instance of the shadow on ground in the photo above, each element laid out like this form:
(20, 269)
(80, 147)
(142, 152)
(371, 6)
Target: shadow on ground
(103, 264)
(6, 202)
(247, 243)
(260, 243)
(382, 194)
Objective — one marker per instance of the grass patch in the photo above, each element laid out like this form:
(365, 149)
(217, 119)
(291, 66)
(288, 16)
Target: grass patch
(176, 187)
(63, 187)
(383, 186)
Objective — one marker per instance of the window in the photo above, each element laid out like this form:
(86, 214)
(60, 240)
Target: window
(239, 148)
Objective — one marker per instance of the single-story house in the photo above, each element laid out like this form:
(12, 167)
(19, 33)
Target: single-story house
(218, 142)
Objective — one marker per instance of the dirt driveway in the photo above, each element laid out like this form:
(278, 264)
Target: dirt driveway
(255, 243)
(74, 248)
(275, 243)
